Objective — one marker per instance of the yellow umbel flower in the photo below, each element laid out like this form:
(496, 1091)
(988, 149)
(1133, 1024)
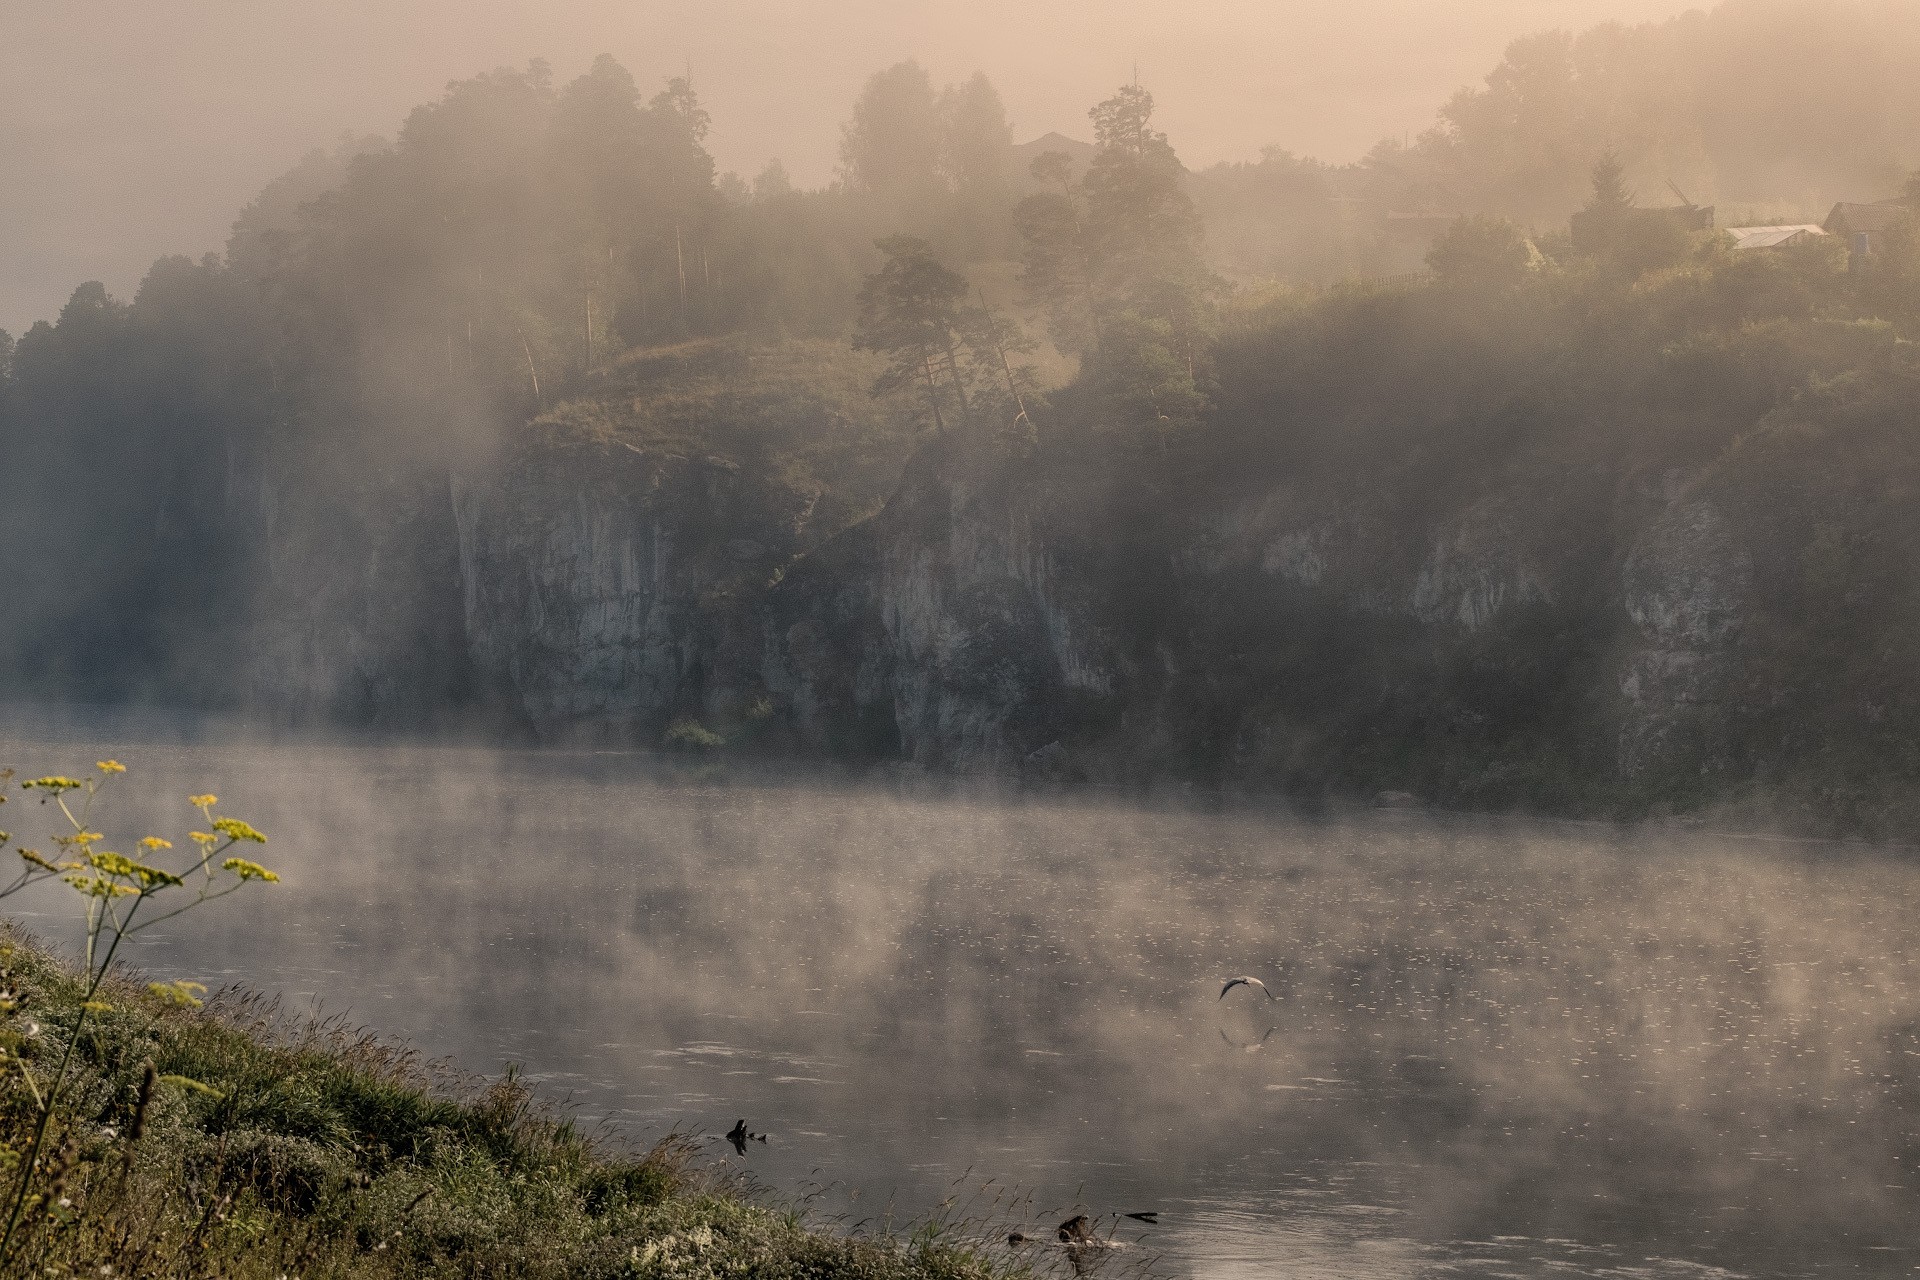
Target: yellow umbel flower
(234, 829)
(248, 870)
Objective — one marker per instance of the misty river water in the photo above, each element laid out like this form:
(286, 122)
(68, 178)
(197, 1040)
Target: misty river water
(1498, 1049)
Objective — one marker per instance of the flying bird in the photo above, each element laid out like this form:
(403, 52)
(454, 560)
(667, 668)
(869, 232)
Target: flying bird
(1244, 981)
(1151, 1215)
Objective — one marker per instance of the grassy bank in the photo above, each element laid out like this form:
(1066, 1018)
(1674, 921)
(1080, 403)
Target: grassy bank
(221, 1141)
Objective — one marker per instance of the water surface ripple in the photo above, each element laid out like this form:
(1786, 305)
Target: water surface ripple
(1497, 1049)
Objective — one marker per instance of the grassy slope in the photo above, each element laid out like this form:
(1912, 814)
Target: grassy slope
(326, 1153)
(799, 410)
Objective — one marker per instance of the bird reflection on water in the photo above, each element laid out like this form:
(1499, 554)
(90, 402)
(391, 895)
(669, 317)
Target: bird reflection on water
(1246, 1046)
(1523, 1049)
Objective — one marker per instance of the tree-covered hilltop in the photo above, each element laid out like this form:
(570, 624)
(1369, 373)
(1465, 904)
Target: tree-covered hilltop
(994, 458)
(1771, 111)
(387, 310)
(1530, 532)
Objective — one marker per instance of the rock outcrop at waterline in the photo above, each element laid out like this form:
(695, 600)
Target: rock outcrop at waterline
(1562, 635)
(603, 586)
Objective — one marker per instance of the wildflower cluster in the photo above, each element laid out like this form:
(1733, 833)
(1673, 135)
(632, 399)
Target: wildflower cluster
(120, 895)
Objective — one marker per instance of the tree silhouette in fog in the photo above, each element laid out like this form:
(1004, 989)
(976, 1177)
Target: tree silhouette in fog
(1115, 259)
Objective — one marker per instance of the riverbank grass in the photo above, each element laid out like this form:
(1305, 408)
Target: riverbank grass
(220, 1141)
(143, 1134)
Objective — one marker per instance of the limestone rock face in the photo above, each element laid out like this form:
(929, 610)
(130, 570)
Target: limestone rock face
(602, 588)
(947, 615)
(1468, 568)
(1578, 635)
(356, 619)
(1477, 566)
(1686, 584)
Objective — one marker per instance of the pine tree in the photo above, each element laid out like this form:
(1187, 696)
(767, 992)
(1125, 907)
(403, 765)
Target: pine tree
(1116, 260)
(910, 312)
(683, 103)
(1610, 192)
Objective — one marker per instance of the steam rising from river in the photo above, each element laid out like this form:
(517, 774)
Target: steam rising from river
(1514, 1048)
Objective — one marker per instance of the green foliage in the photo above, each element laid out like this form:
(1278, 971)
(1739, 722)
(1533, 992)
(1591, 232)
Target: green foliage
(690, 735)
(1483, 252)
(955, 353)
(798, 412)
(222, 1142)
(909, 312)
(113, 890)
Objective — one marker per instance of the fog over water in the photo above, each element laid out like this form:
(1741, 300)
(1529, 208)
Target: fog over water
(1497, 1049)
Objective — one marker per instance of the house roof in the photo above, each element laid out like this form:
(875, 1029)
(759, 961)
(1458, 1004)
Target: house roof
(1077, 151)
(1772, 237)
(1847, 218)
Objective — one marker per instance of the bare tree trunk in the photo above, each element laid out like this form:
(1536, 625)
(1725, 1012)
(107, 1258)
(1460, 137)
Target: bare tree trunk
(1006, 366)
(933, 394)
(680, 261)
(531, 372)
(959, 386)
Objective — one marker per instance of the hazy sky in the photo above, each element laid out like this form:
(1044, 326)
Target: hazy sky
(133, 128)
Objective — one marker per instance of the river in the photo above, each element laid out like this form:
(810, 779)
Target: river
(1494, 1048)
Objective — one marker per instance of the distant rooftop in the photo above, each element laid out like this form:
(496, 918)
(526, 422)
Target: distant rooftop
(1773, 237)
(1078, 153)
(1847, 219)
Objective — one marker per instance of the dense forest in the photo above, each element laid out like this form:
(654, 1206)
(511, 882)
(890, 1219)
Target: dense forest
(1053, 458)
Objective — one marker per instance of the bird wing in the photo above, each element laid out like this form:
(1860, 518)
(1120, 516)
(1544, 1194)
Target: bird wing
(1231, 984)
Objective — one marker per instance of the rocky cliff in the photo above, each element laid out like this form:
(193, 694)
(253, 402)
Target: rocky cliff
(1616, 636)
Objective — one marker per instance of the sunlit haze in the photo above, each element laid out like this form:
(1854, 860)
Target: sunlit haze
(1194, 640)
(133, 130)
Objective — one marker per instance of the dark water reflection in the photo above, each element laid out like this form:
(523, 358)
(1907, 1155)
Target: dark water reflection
(1497, 1050)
